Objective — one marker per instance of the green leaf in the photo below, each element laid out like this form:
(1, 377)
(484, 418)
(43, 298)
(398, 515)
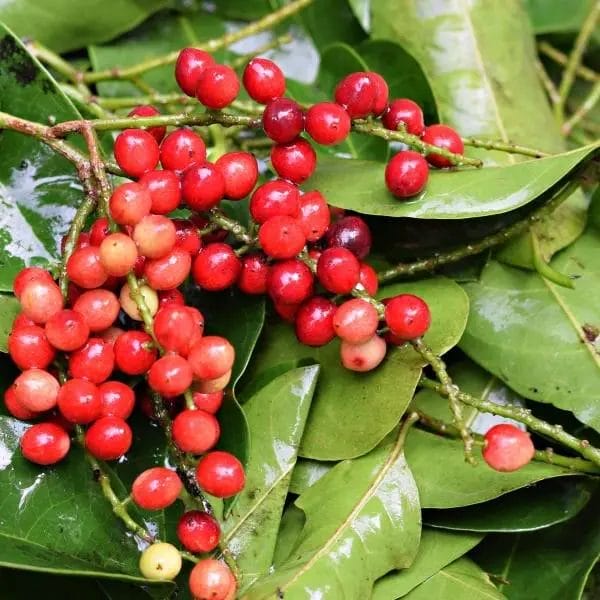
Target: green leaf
(556, 16)
(362, 520)
(38, 189)
(362, 11)
(276, 418)
(290, 528)
(307, 472)
(243, 10)
(340, 423)
(9, 309)
(436, 550)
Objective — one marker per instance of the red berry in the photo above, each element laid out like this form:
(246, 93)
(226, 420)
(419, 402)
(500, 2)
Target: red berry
(108, 438)
(82, 241)
(338, 270)
(211, 402)
(352, 233)
(129, 203)
(155, 236)
(218, 86)
(240, 173)
(29, 348)
(95, 361)
(445, 137)
(42, 299)
(254, 273)
(283, 120)
(281, 237)
(212, 580)
(407, 316)
(84, 268)
(145, 110)
(363, 357)
(187, 237)
(216, 267)
(116, 399)
(188, 68)
(181, 149)
(507, 448)
(100, 309)
(198, 532)
(168, 272)
(167, 297)
(314, 322)
(263, 80)
(36, 390)
(211, 357)
(156, 488)
(45, 443)
(368, 279)
(118, 254)
(79, 401)
(295, 161)
(110, 335)
(195, 431)
(220, 474)
(382, 92)
(287, 312)
(164, 189)
(406, 112)
(202, 186)
(406, 174)
(355, 321)
(28, 275)
(136, 151)
(22, 320)
(327, 123)
(357, 94)
(16, 409)
(290, 282)
(67, 330)
(174, 327)
(275, 199)
(170, 375)
(314, 215)
(134, 352)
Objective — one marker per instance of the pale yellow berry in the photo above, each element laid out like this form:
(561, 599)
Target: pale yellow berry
(130, 307)
(160, 561)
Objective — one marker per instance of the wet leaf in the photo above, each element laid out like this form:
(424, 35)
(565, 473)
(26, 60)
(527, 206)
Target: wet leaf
(290, 528)
(9, 309)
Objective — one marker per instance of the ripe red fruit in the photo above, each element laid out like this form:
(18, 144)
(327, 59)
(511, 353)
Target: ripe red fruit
(263, 80)
(202, 186)
(220, 474)
(187, 237)
(368, 279)
(352, 233)
(29, 348)
(173, 328)
(45, 444)
(136, 151)
(188, 68)
(134, 352)
(442, 136)
(363, 357)
(281, 237)
(118, 254)
(356, 321)
(254, 273)
(287, 312)
(381, 92)
(98, 231)
(218, 86)
(240, 173)
(275, 199)
(84, 268)
(108, 438)
(407, 316)
(168, 272)
(210, 402)
(357, 94)
(314, 322)
(507, 448)
(67, 330)
(327, 123)
(314, 215)
(211, 357)
(41, 299)
(129, 203)
(27, 275)
(36, 390)
(22, 320)
(198, 532)
(100, 309)
(145, 110)
(156, 488)
(290, 282)
(283, 120)
(404, 111)
(212, 580)
(15, 408)
(295, 161)
(82, 240)
(110, 335)
(116, 399)
(79, 401)
(216, 267)
(181, 149)
(164, 189)
(170, 375)
(195, 431)
(338, 270)
(95, 361)
(155, 236)
(406, 174)
(167, 297)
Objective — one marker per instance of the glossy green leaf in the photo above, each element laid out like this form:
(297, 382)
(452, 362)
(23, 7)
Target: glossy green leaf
(9, 309)
(290, 528)
(362, 520)
(38, 189)
(276, 418)
(556, 16)
(340, 423)
(307, 472)
(362, 11)
(436, 550)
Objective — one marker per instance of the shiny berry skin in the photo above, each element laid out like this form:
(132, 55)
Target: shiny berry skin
(187, 237)
(404, 111)
(36, 390)
(134, 352)
(154, 236)
(16, 409)
(27, 275)
(67, 330)
(136, 151)
(407, 316)
(406, 174)
(295, 161)
(507, 448)
(118, 254)
(116, 399)
(314, 322)
(145, 110)
(382, 93)
(170, 375)
(22, 320)
(240, 173)
(29, 348)
(290, 282)
(168, 272)
(198, 532)
(98, 231)
(212, 580)
(160, 562)
(218, 384)
(202, 186)
(357, 94)
(220, 474)
(41, 300)
(188, 68)
(84, 268)
(210, 403)
(275, 199)
(45, 444)
(82, 240)
(254, 273)
(218, 86)
(130, 307)
(181, 149)
(100, 309)
(79, 401)
(352, 233)
(327, 123)
(216, 267)
(170, 297)
(442, 136)
(368, 279)
(283, 120)
(156, 488)
(363, 357)
(338, 270)
(281, 237)
(314, 215)
(110, 335)
(355, 321)
(173, 328)
(129, 203)
(108, 438)
(211, 357)
(95, 361)
(195, 431)
(263, 80)
(164, 188)
(287, 312)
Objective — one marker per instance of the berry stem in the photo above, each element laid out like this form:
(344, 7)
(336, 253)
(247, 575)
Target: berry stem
(561, 58)
(586, 106)
(544, 269)
(547, 82)
(504, 147)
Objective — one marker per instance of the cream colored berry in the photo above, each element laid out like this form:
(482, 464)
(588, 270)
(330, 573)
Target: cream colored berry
(160, 561)
(130, 307)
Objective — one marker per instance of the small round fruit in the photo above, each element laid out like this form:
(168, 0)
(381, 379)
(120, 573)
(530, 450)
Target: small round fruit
(173, 328)
(507, 448)
(146, 110)
(94, 361)
(99, 230)
(254, 274)
(136, 151)
(29, 348)
(382, 93)
(164, 188)
(116, 399)
(108, 438)
(209, 402)
(363, 357)
(281, 237)
(15, 408)
(368, 279)
(181, 149)
(168, 272)
(314, 321)
(406, 112)
(188, 68)
(156, 488)
(170, 375)
(327, 123)
(290, 282)
(79, 401)
(198, 531)
(41, 299)
(160, 561)
(263, 80)
(36, 390)
(170, 297)
(356, 93)
(195, 431)
(283, 120)
(45, 444)
(407, 316)
(134, 352)
(22, 320)
(277, 198)
(130, 307)
(352, 233)
(220, 474)
(216, 267)
(406, 174)
(212, 580)
(118, 254)
(240, 173)
(445, 137)
(338, 270)
(209, 386)
(314, 216)
(218, 86)
(202, 186)
(211, 357)
(129, 203)
(154, 236)
(27, 275)
(295, 161)
(84, 268)
(355, 321)
(67, 330)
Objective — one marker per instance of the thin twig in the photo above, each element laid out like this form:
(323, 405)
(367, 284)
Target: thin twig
(561, 58)
(504, 147)
(586, 106)
(548, 84)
